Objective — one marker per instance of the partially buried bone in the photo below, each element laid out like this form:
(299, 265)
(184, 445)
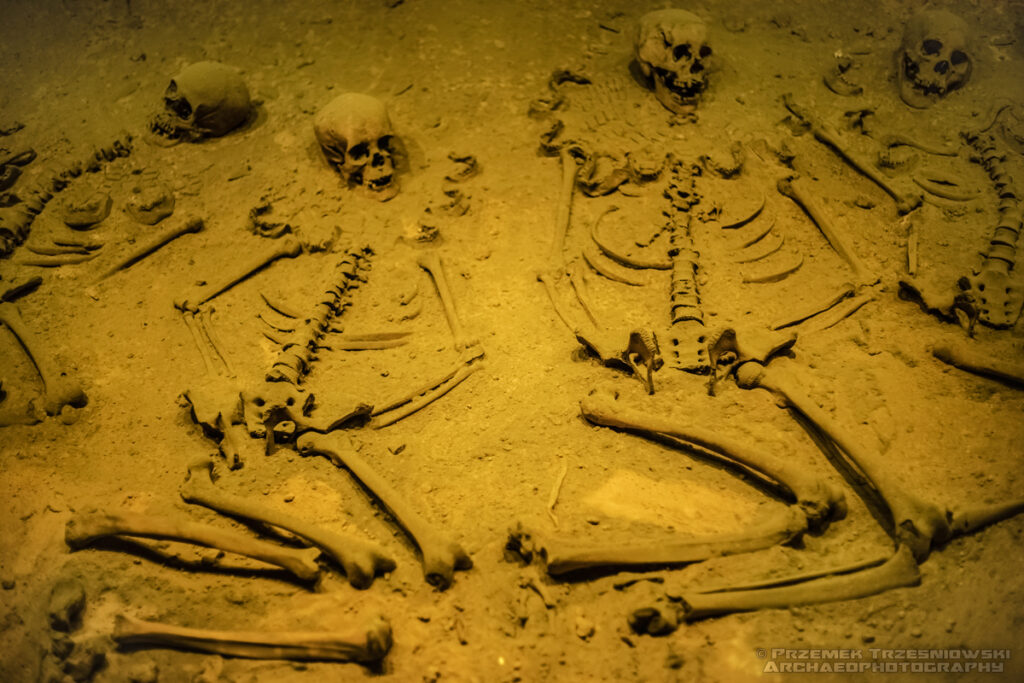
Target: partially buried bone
(962, 356)
(795, 188)
(563, 556)
(158, 240)
(441, 555)
(366, 645)
(59, 390)
(419, 398)
(85, 529)
(431, 262)
(362, 560)
(899, 571)
(819, 501)
(918, 524)
(287, 247)
(552, 272)
(905, 202)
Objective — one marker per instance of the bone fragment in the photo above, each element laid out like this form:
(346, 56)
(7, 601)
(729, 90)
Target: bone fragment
(85, 529)
(610, 270)
(366, 645)
(58, 250)
(912, 249)
(945, 190)
(815, 308)
(441, 555)
(564, 556)
(431, 263)
(553, 271)
(426, 394)
(774, 272)
(58, 389)
(579, 287)
(970, 360)
(899, 571)
(660, 262)
(362, 560)
(818, 500)
(55, 260)
(13, 292)
(280, 307)
(158, 240)
(555, 491)
(837, 313)
(288, 247)
(795, 188)
(905, 203)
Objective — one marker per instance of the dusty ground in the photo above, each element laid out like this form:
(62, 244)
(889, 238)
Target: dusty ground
(458, 77)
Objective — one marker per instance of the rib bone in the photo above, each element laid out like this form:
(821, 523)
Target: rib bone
(367, 645)
(360, 559)
(819, 501)
(158, 240)
(58, 389)
(441, 555)
(83, 530)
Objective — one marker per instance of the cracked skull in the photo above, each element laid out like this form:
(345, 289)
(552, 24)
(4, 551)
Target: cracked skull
(205, 100)
(354, 132)
(672, 51)
(933, 59)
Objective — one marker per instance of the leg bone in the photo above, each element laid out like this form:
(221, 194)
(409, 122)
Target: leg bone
(367, 645)
(361, 560)
(58, 389)
(441, 555)
(83, 530)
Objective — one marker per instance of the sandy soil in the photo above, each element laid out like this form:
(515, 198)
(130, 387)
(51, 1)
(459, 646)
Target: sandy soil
(458, 78)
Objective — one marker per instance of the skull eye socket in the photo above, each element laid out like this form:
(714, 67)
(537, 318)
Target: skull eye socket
(958, 58)
(931, 46)
(359, 151)
(704, 51)
(681, 52)
(179, 106)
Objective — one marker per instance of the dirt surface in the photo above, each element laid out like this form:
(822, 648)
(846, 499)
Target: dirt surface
(458, 78)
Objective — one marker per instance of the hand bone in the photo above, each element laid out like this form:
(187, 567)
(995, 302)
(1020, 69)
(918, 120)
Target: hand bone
(362, 560)
(441, 555)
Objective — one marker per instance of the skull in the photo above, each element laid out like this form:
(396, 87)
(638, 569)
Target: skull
(671, 49)
(354, 132)
(207, 99)
(933, 58)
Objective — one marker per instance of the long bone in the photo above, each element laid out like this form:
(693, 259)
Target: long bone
(969, 360)
(59, 390)
(905, 203)
(419, 398)
(441, 554)
(85, 529)
(431, 262)
(794, 188)
(899, 571)
(564, 556)
(149, 246)
(819, 501)
(288, 247)
(367, 644)
(361, 559)
(918, 524)
(553, 271)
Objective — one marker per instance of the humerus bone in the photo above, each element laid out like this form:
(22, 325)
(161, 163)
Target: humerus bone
(969, 360)
(819, 501)
(83, 530)
(58, 389)
(898, 571)
(562, 556)
(441, 555)
(362, 560)
(287, 248)
(149, 246)
(367, 645)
